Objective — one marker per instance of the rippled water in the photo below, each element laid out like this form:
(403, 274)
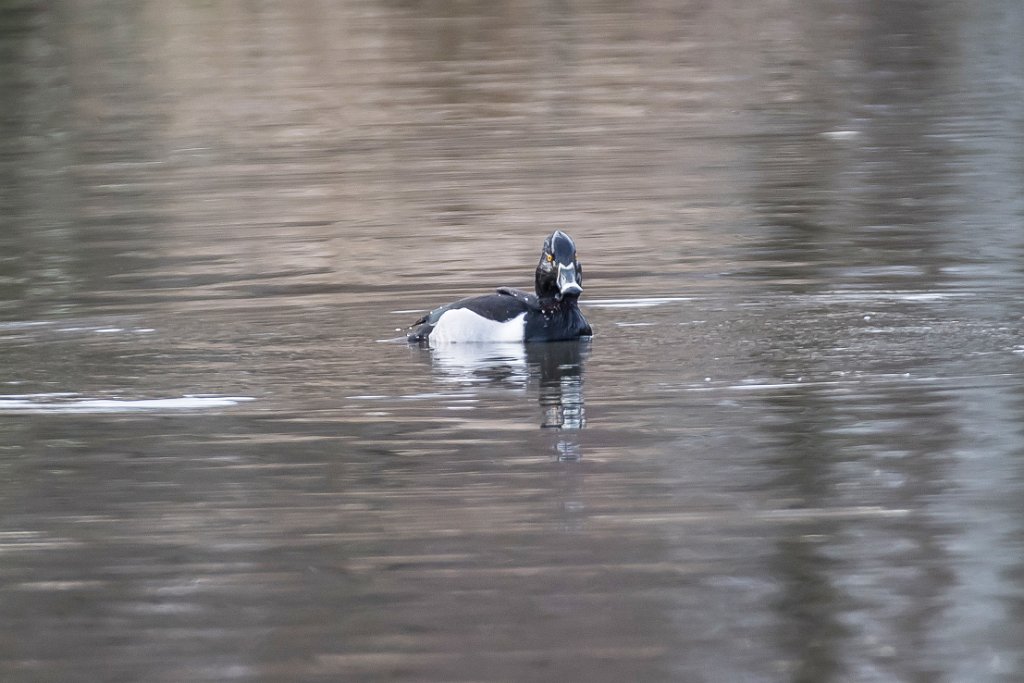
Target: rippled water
(792, 451)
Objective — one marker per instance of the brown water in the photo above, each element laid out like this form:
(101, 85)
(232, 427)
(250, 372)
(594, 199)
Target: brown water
(792, 452)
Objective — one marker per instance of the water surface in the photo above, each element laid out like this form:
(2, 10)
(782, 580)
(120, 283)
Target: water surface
(792, 451)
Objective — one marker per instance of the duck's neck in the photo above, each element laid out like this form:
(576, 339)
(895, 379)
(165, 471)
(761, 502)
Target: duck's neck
(551, 304)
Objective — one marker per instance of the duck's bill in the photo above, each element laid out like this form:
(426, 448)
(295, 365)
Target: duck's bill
(567, 284)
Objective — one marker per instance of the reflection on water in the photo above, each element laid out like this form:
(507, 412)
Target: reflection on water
(476, 363)
(554, 371)
(557, 368)
(791, 453)
(560, 370)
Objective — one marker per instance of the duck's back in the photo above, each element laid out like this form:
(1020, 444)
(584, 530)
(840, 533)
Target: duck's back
(489, 318)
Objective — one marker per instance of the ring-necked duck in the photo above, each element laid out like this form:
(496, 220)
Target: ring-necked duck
(512, 315)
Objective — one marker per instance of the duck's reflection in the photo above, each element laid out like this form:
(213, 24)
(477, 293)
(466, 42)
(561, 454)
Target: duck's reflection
(558, 366)
(555, 368)
(503, 364)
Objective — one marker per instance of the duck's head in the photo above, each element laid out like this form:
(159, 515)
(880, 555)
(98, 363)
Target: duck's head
(559, 275)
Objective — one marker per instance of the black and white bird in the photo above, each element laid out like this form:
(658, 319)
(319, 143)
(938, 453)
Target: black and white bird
(512, 315)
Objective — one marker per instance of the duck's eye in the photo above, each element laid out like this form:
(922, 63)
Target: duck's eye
(549, 257)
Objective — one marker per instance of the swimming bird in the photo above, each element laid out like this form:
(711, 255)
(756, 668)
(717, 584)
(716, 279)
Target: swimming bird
(512, 315)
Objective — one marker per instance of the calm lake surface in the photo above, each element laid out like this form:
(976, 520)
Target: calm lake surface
(793, 451)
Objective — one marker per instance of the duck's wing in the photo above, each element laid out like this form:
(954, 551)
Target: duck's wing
(530, 300)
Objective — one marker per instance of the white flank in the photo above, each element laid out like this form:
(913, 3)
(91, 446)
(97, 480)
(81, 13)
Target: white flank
(463, 325)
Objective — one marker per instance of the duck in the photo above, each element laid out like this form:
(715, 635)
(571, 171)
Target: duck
(551, 314)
